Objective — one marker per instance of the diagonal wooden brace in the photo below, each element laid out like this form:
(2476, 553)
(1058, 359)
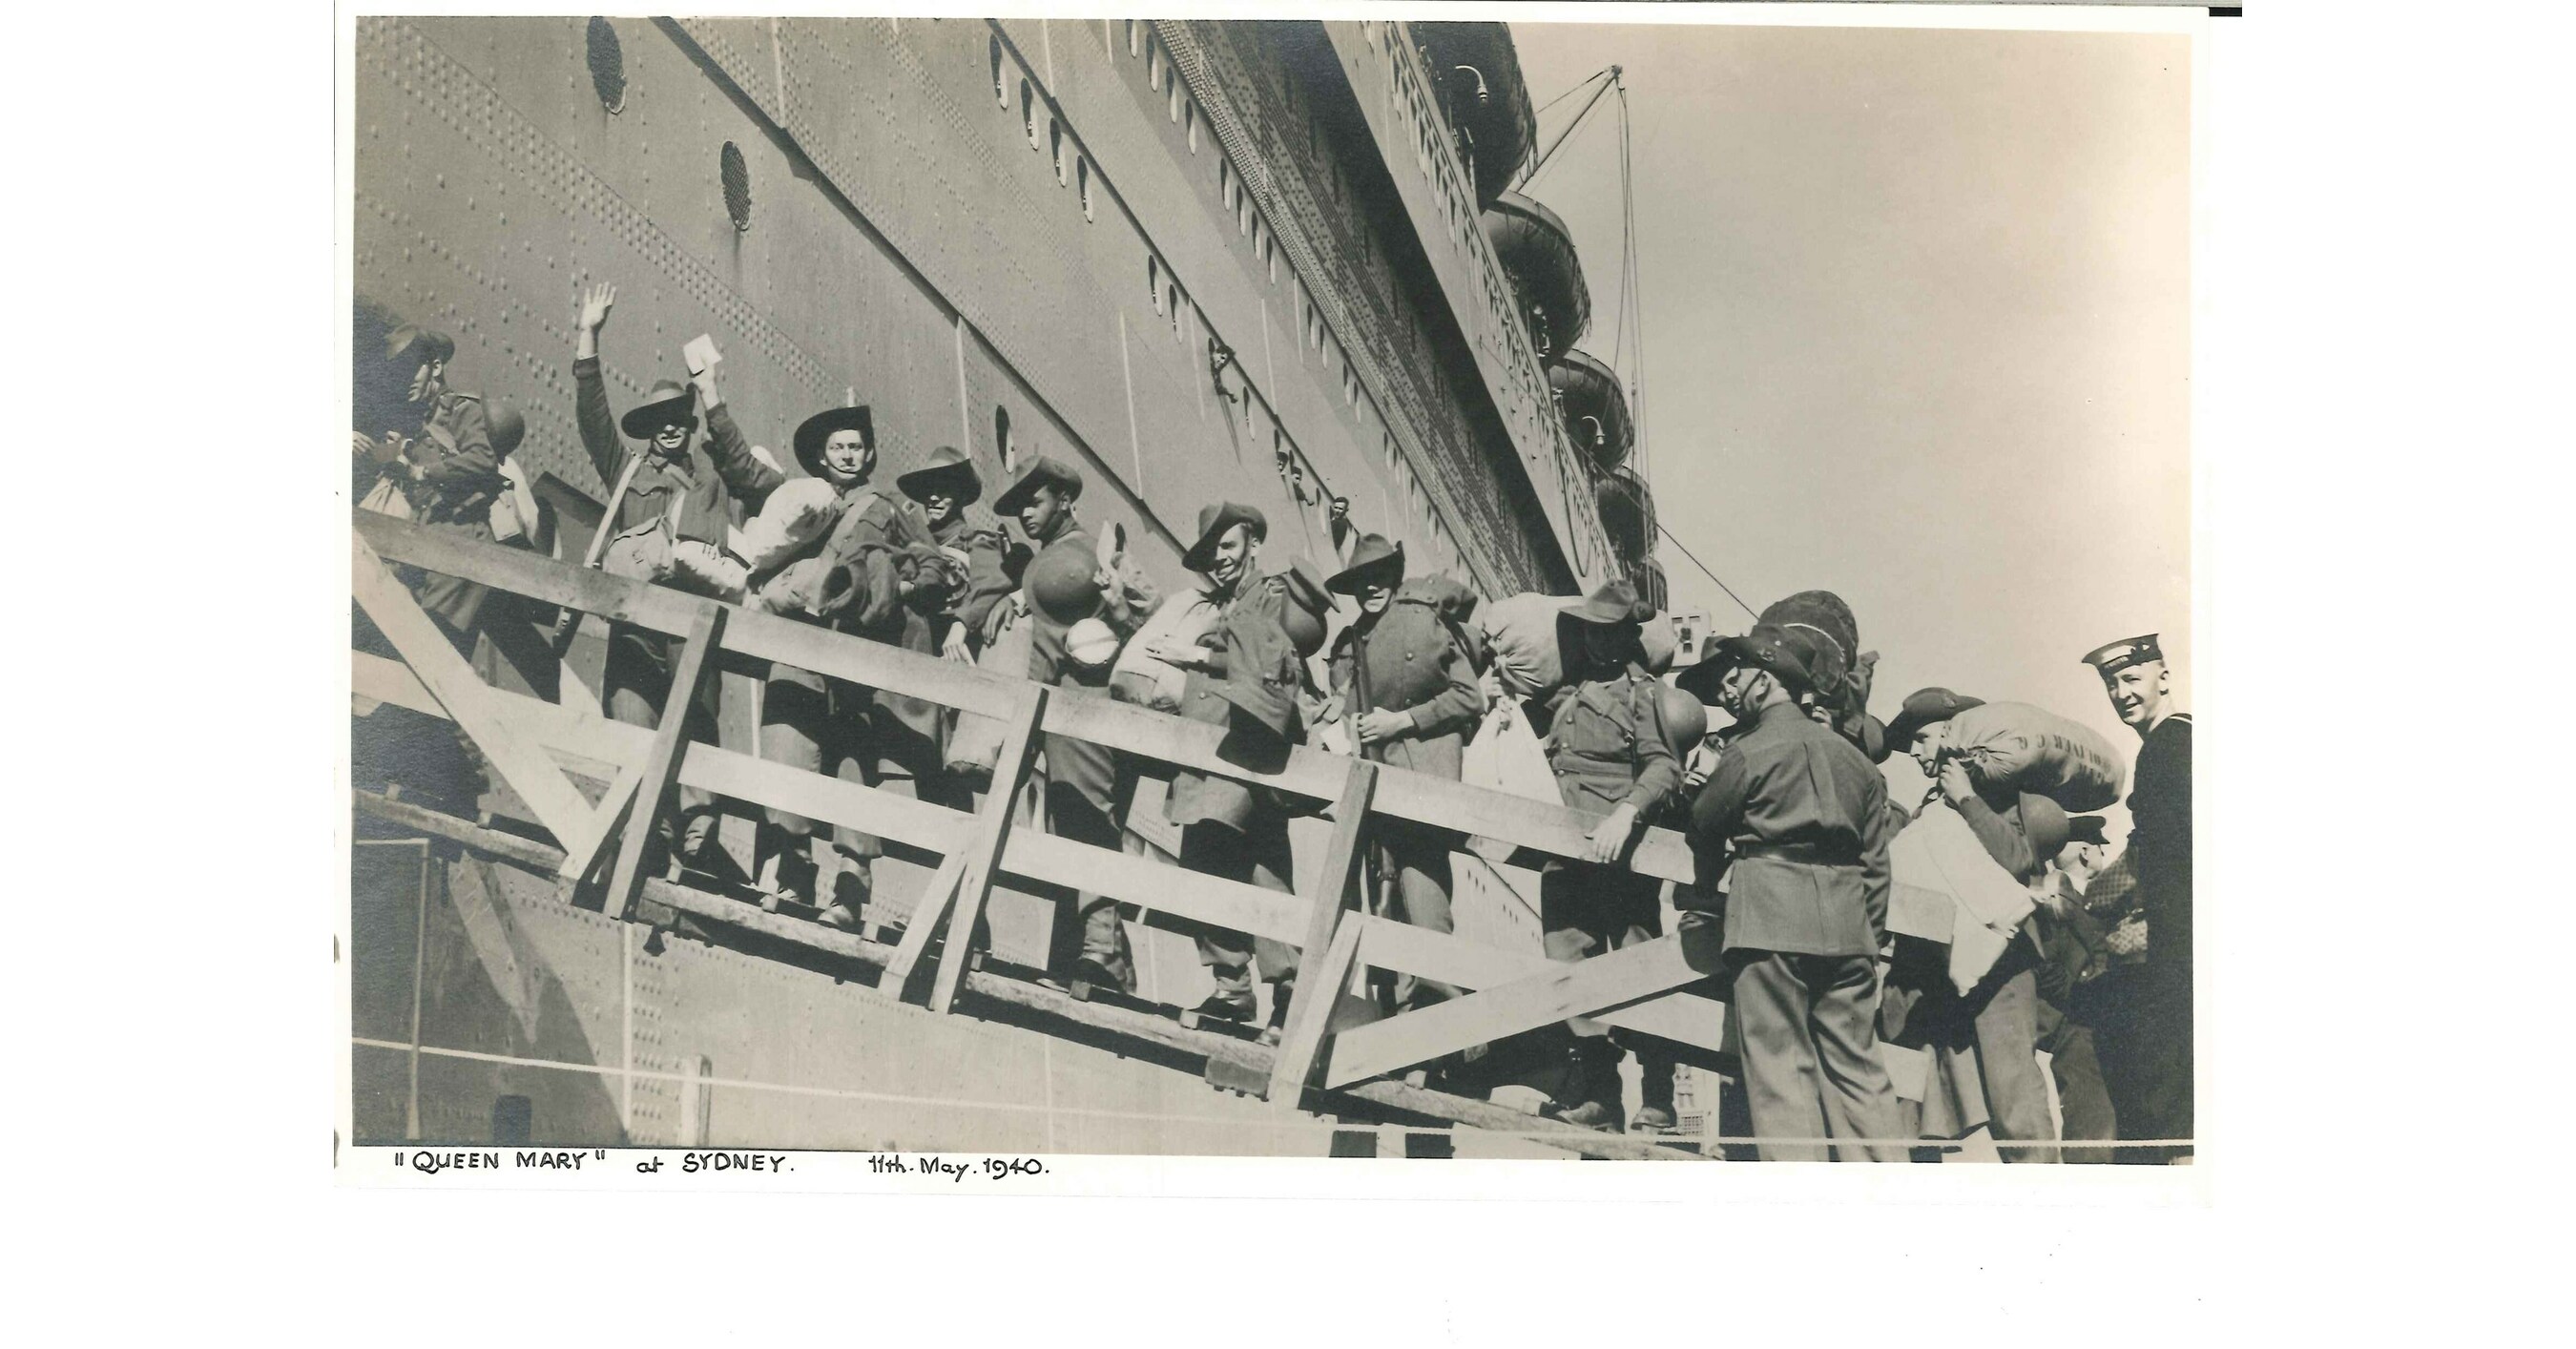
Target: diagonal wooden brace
(927, 912)
(582, 854)
(517, 758)
(1569, 989)
(983, 851)
(1332, 941)
(661, 775)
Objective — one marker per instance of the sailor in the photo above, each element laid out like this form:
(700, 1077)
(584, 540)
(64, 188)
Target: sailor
(2073, 955)
(1246, 673)
(988, 562)
(1065, 585)
(437, 456)
(675, 501)
(1607, 744)
(1804, 816)
(826, 725)
(2145, 1031)
(1402, 675)
(1995, 1025)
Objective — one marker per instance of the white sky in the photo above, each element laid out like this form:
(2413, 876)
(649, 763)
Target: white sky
(1915, 308)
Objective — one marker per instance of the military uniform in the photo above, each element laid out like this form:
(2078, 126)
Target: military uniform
(1996, 1024)
(1804, 816)
(1230, 828)
(1607, 747)
(691, 492)
(1410, 659)
(1085, 790)
(460, 478)
(987, 570)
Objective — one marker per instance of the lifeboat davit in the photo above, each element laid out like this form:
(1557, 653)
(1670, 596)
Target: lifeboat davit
(1537, 252)
(1478, 73)
(1627, 514)
(1595, 409)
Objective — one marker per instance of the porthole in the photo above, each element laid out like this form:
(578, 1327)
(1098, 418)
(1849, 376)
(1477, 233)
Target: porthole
(607, 65)
(1135, 32)
(1055, 148)
(1191, 117)
(1082, 175)
(1001, 91)
(1002, 446)
(1154, 282)
(737, 185)
(1029, 114)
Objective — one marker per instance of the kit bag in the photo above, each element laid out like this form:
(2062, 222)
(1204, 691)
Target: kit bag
(976, 745)
(2030, 749)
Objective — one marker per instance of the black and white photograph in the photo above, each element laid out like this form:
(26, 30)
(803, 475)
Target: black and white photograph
(1445, 585)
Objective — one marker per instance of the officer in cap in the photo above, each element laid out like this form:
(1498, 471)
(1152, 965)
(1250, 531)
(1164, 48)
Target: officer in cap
(1995, 1025)
(1608, 747)
(1084, 786)
(2145, 1032)
(677, 488)
(1802, 816)
(2073, 955)
(1404, 680)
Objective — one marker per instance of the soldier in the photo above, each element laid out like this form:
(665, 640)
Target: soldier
(448, 475)
(1997, 1022)
(1607, 744)
(2072, 955)
(1248, 676)
(1083, 784)
(1804, 815)
(1402, 675)
(2145, 1030)
(854, 578)
(674, 503)
(988, 563)
(1177, 664)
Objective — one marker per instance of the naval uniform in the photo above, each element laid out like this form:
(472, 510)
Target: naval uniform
(2144, 1010)
(1805, 817)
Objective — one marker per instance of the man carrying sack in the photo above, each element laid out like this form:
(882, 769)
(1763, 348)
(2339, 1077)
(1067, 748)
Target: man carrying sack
(1989, 1035)
(1804, 816)
(1403, 680)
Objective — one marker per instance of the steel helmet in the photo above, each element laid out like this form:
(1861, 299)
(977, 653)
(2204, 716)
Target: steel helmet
(1064, 584)
(1685, 720)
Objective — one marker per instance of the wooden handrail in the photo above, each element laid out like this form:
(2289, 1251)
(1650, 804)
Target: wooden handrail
(1078, 713)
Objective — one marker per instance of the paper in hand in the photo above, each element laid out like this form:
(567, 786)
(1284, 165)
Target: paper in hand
(701, 354)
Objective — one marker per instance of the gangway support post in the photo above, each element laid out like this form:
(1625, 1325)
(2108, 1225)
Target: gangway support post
(661, 776)
(1332, 942)
(984, 846)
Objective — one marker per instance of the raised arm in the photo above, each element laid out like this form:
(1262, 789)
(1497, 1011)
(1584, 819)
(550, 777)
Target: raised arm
(598, 426)
(744, 475)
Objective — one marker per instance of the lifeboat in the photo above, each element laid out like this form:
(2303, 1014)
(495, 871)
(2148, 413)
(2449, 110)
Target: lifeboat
(1627, 514)
(1537, 252)
(1595, 409)
(1648, 577)
(1478, 74)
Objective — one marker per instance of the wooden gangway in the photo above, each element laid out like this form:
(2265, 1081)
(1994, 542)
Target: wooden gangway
(1334, 1052)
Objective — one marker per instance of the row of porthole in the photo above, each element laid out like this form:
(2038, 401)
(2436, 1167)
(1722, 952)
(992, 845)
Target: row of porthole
(606, 57)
